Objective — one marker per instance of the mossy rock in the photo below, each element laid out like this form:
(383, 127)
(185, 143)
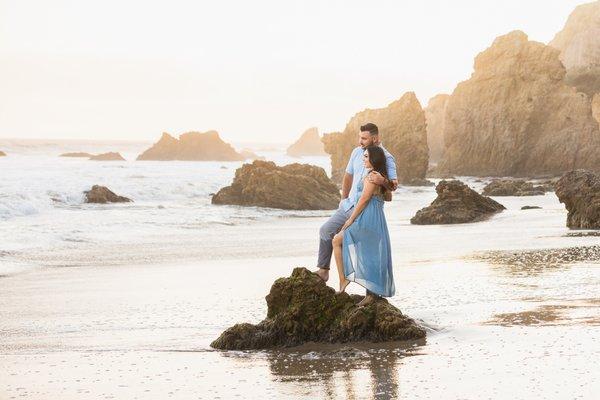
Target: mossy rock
(302, 308)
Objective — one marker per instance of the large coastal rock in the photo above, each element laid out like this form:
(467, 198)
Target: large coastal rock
(516, 116)
(403, 133)
(191, 146)
(456, 203)
(512, 187)
(302, 308)
(309, 144)
(579, 45)
(435, 115)
(77, 155)
(102, 194)
(579, 190)
(291, 187)
(112, 156)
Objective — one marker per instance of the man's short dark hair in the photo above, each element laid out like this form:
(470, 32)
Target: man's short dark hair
(371, 128)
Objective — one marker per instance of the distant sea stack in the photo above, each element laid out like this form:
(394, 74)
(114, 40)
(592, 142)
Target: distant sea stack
(309, 144)
(108, 157)
(516, 116)
(403, 133)
(579, 45)
(435, 114)
(77, 154)
(291, 187)
(191, 146)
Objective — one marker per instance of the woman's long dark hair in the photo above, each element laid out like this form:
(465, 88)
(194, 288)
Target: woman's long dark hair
(377, 160)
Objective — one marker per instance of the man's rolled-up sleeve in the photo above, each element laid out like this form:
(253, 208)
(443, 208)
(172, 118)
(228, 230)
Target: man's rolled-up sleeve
(391, 166)
(350, 166)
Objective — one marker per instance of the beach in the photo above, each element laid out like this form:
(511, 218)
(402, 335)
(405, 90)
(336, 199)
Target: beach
(123, 301)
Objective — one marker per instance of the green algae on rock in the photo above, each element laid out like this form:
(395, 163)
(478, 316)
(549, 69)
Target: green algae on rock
(302, 308)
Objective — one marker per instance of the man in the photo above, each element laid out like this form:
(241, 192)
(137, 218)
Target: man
(369, 135)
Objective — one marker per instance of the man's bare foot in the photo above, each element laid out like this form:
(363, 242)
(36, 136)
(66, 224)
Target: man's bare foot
(369, 299)
(323, 273)
(343, 286)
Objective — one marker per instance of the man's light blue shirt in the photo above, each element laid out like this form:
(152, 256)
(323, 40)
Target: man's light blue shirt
(356, 168)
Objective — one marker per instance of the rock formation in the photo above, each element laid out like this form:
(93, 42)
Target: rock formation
(107, 157)
(579, 190)
(435, 114)
(250, 155)
(579, 45)
(456, 203)
(403, 133)
(2, 154)
(77, 154)
(309, 144)
(291, 187)
(530, 207)
(302, 308)
(102, 195)
(512, 187)
(515, 116)
(191, 146)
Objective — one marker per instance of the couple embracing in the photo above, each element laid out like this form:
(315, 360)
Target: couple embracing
(357, 232)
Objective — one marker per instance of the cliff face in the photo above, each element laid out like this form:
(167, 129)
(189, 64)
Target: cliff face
(403, 133)
(435, 114)
(191, 146)
(309, 144)
(516, 116)
(579, 45)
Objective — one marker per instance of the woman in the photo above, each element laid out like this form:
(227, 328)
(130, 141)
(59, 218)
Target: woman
(362, 248)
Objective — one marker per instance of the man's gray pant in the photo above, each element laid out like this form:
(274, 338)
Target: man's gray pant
(328, 230)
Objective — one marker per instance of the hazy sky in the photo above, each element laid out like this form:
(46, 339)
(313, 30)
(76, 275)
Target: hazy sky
(253, 70)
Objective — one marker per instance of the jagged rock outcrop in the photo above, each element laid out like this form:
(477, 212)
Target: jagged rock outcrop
(112, 156)
(456, 203)
(302, 308)
(102, 194)
(579, 45)
(512, 187)
(309, 144)
(191, 146)
(77, 154)
(435, 115)
(516, 117)
(403, 133)
(579, 190)
(291, 187)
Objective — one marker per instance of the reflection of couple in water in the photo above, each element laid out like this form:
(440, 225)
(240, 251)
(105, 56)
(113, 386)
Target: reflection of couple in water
(357, 232)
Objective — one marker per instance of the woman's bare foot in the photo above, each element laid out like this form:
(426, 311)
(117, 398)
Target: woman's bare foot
(343, 286)
(369, 299)
(323, 274)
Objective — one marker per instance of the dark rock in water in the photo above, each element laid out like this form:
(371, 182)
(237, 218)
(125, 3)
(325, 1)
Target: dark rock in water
(2, 154)
(191, 146)
(530, 207)
(108, 157)
(309, 144)
(579, 190)
(418, 182)
(102, 195)
(302, 308)
(223, 167)
(456, 203)
(291, 187)
(77, 154)
(512, 187)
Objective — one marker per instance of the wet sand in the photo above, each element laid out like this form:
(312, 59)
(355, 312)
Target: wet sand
(144, 332)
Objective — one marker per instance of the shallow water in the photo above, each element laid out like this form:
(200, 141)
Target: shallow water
(122, 302)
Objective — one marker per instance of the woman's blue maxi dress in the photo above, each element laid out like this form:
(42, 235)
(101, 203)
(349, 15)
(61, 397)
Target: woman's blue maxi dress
(367, 251)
